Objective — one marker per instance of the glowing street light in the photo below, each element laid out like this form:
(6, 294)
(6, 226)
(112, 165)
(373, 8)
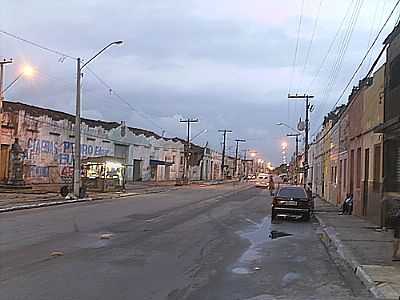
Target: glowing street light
(27, 71)
(284, 145)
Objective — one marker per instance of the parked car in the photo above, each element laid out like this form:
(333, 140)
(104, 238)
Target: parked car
(292, 201)
(262, 180)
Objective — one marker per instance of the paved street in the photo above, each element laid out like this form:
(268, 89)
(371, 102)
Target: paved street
(198, 242)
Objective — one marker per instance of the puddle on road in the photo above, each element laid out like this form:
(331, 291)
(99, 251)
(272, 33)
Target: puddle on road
(259, 234)
(241, 271)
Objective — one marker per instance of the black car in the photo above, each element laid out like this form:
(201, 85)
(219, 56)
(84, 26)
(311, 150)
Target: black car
(292, 201)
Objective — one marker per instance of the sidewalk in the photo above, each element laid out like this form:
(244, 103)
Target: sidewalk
(27, 199)
(364, 246)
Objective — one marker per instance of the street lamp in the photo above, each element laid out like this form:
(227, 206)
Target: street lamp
(77, 150)
(27, 71)
(286, 125)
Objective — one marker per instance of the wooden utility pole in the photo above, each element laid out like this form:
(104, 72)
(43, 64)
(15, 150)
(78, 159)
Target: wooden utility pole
(307, 129)
(296, 153)
(185, 174)
(2, 64)
(225, 131)
(236, 156)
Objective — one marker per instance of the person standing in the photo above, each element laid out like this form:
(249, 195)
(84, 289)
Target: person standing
(271, 185)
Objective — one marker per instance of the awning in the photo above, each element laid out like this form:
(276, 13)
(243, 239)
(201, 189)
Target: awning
(155, 162)
(102, 160)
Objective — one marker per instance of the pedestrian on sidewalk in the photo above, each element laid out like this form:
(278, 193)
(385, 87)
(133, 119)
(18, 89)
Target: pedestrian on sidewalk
(271, 185)
(347, 206)
(310, 196)
(396, 235)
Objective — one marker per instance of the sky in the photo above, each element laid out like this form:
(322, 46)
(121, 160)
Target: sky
(229, 63)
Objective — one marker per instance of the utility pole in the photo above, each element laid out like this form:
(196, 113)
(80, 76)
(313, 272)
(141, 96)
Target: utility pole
(2, 64)
(185, 174)
(77, 146)
(246, 166)
(225, 131)
(296, 153)
(307, 98)
(236, 156)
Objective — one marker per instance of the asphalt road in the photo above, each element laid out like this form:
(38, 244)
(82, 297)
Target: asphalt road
(195, 243)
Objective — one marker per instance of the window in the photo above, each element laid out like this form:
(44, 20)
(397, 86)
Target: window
(377, 162)
(182, 160)
(395, 73)
(340, 172)
(358, 170)
(292, 192)
(351, 174)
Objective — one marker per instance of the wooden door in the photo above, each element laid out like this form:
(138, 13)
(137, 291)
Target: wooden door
(4, 159)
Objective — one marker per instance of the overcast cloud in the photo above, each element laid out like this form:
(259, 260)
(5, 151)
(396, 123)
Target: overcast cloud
(227, 62)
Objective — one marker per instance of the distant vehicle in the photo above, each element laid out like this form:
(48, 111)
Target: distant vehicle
(284, 178)
(251, 177)
(292, 201)
(262, 180)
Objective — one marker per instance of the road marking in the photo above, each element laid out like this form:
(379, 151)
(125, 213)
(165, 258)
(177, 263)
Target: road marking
(251, 221)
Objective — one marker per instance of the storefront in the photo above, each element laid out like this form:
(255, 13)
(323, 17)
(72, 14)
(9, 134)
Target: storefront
(103, 173)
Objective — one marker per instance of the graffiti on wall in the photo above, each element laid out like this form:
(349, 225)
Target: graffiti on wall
(60, 153)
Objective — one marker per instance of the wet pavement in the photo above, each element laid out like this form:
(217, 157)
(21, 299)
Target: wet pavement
(201, 243)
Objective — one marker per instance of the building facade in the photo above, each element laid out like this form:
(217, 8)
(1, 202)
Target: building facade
(347, 153)
(46, 142)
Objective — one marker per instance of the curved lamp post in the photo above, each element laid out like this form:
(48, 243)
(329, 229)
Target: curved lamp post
(77, 148)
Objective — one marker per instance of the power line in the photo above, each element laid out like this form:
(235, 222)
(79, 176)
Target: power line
(312, 37)
(330, 47)
(343, 46)
(35, 44)
(116, 94)
(297, 43)
(361, 63)
(295, 53)
(342, 50)
(367, 53)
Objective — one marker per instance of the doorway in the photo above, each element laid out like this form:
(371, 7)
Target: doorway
(4, 159)
(137, 170)
(366, 180)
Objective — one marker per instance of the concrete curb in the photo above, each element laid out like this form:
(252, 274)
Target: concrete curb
(330, 238)
(43, 204)
(62, 202)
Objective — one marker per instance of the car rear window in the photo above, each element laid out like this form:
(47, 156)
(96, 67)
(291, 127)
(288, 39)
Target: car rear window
(292, 192)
